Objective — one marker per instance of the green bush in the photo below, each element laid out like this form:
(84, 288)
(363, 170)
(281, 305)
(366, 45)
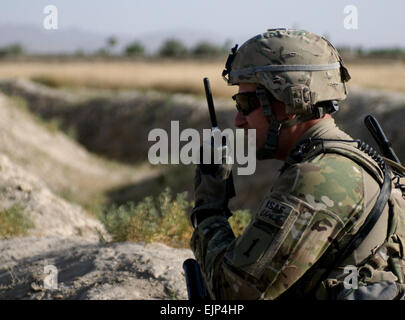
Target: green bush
(135, 49)
(163, 219)
(14, 222)
(206, 49)
(11, 50)
(388, 53)
(173, 48)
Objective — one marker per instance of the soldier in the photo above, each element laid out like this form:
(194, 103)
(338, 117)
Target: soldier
(315, 221)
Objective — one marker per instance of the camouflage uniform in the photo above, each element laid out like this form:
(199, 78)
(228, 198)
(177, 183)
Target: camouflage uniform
(320, 200)
(313, 209)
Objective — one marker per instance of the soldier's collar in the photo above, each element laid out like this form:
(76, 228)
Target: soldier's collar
(317, 131)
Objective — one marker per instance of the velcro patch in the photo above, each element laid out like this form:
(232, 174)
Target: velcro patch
(274, 212)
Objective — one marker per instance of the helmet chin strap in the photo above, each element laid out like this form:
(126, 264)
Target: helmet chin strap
(269, 149)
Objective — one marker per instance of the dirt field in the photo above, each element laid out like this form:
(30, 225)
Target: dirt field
(185, 77)
(174, 76)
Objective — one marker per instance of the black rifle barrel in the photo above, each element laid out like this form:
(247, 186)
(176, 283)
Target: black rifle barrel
(210, 102)
(195, 284)
(379, 136)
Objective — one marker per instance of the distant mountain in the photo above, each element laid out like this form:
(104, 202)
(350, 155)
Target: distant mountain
(37, 40)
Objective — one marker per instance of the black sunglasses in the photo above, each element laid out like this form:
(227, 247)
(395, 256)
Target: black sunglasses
(246, 102)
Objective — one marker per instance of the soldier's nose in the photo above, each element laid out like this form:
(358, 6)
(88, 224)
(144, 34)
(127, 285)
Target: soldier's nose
(240, 120)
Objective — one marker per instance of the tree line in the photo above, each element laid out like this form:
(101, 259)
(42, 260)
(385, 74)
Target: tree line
(170, 48)
(175, 48)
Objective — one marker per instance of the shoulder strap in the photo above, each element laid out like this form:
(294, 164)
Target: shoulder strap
(370, 221)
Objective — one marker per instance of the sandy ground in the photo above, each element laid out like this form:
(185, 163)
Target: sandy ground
(72, 241)
(91, 270)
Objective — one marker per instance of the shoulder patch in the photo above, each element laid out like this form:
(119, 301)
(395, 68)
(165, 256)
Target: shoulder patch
(274, 212)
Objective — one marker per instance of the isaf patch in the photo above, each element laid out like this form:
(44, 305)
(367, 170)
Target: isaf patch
(274, 212)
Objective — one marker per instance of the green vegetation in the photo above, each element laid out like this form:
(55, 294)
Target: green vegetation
(135, 49)
(239, 220)
(11, 50)
(395, 53)
(386, 53)
(173, 48)
(149, 220)
(207, 49)
(112, 42)
(159, 220)
(46, 81)
(14, 222)
(177, 49)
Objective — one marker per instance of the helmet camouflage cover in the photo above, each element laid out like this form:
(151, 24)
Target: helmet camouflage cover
(298, 67)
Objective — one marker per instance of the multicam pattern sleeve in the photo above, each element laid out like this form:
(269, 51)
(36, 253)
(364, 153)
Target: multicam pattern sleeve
(308, 207)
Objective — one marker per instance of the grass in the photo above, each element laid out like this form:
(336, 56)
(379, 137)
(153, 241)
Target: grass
(14, 222)
(174, 76)
(170, 76)
(387, 76)
(163, 219)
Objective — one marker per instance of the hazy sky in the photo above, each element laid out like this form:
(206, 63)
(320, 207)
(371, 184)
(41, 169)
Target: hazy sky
(380, 23)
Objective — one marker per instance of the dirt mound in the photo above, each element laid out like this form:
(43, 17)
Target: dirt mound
(50, 214)
(89, 270)
(64, 165)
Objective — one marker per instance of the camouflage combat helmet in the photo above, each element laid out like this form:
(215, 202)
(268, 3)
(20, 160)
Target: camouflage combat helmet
(297, 67)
